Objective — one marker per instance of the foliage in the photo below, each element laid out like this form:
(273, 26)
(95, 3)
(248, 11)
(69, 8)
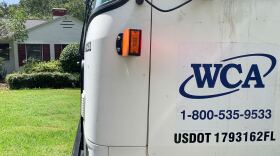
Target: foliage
(76, 8)
(12, 24)
(1, 64)
(69, 58)
(37, 66)
(4, 30)
(16, 24)
(36, 8)
(42, 80)
(4, 9)
(14, 28)
(36, 74)
(42, 9)
(3, 71)
(29, 64)
(38, 121)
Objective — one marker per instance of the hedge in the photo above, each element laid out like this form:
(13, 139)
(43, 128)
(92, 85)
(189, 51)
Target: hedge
(42, 80)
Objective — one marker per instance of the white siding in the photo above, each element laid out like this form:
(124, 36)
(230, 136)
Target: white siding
(54, 32)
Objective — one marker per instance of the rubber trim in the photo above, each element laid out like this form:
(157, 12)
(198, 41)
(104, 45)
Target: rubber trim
(106, 7)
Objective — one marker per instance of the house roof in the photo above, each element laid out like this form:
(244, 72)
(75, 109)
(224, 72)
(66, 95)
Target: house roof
(51, 21)
(33, 23)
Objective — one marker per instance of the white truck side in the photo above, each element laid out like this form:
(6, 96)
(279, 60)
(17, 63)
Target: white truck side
(206, 82)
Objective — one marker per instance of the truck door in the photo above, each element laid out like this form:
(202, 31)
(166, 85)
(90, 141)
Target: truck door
(214, 79)
(116, 87)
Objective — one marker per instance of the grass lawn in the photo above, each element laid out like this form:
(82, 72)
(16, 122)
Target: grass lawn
(39, 122)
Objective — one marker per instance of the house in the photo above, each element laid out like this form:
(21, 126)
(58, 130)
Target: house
(46, 40)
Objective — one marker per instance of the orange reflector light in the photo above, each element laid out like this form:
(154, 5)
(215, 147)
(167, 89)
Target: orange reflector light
(131, 43)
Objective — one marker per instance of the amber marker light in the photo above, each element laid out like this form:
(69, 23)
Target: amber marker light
(131, 43)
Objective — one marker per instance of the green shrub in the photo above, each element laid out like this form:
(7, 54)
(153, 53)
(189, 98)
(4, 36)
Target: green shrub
(29, 64)
(36, 66)
(3, 74)
(42, 80)
(3, 71)
(69, 58)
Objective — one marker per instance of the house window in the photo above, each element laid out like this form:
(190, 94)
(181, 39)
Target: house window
(58, 48)
(5, 52)
(34, 51)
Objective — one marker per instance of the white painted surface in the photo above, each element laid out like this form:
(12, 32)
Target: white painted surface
(127, 151)
(208, 31)
(204, 32)
(116, 87)
(52, 52)
(98, 151)
(15, 52)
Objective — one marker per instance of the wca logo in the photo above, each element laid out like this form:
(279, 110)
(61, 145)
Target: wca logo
(213, 72)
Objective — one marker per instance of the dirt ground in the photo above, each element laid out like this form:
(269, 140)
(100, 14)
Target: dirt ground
(3, 85)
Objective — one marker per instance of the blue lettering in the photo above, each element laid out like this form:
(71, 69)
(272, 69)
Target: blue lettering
(254, 70)
(210, 72)
(211, 80)
(224, 72)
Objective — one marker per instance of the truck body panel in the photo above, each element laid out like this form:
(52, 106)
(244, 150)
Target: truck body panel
(229, 38)
(206, 83)
(116, 88)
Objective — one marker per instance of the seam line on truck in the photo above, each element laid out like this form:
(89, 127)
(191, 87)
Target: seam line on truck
(110, 145)
(149, 84)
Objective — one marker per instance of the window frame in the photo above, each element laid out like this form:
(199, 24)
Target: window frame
(105, 7)
(26, 53)
(99, 3)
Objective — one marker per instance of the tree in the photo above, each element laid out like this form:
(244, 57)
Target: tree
(36, 8)
(4, 32)
(4, 9)
(17, 24)
(41, 9)
(76, 8)
(13, 26)
(13, 17)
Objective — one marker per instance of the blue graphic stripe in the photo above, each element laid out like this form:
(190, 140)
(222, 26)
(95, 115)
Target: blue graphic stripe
(187, 95)
(272, 59)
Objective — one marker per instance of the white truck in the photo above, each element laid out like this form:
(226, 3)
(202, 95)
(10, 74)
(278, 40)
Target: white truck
(180, 78)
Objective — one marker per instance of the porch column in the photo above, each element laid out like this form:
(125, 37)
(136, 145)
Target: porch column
(52, 51)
